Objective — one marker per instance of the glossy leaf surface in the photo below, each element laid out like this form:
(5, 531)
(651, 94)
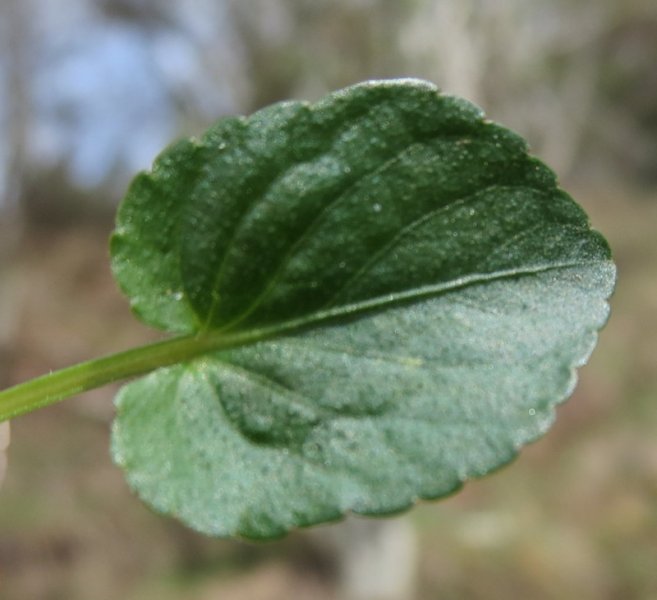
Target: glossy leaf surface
(415, 289)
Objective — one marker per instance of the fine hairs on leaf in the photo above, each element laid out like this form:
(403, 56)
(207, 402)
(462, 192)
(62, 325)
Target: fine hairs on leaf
(374, 298)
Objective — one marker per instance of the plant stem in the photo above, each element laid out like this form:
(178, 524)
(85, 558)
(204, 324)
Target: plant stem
(70, 381)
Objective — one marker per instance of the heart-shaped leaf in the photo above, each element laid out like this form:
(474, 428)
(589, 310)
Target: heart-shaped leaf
(400, 292)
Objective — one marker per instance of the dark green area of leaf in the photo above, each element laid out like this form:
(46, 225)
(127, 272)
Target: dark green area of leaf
(442, 287)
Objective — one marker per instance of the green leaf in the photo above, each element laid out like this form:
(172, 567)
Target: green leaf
(415, 291)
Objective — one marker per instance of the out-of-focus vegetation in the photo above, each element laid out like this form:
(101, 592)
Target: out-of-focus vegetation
(91, 90)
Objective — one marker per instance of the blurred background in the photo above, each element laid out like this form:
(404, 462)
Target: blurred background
(91, 90)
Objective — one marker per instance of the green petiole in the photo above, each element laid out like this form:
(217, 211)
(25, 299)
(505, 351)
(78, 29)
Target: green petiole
(70, 381)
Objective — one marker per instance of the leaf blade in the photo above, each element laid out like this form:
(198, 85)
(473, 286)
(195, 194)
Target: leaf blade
(396, 278)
